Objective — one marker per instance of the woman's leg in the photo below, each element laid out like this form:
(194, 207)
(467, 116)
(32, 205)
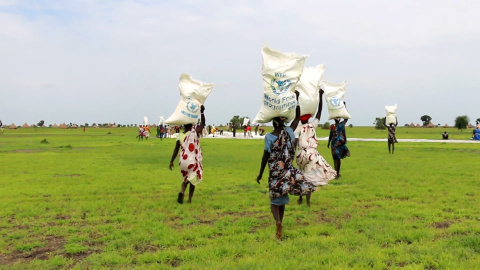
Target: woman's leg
(276, 215)
(182, 192)
(393, 147)
(389, 143)
(308, 198)
(300, 200)
(190, 192)
(336, 164)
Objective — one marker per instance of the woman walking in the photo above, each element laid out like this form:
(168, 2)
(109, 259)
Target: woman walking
(283, 178)
(190, 161)
(314, 167)
(391, 134)
(338, 140)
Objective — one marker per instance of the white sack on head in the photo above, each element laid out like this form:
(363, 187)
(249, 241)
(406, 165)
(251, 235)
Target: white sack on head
(193, 94)
(391, 117)
(161, 121)
(281, 72)
(145, 121)
(308, 86)
(334, 97)
(245, 121)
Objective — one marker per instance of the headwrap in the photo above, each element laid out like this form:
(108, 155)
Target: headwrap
(305, 117)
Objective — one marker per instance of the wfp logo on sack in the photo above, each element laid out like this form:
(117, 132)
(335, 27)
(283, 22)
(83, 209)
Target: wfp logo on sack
(335, 101)
(192, 106)
(280, 87)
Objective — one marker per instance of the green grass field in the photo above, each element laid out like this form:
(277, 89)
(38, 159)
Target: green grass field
(100, 201)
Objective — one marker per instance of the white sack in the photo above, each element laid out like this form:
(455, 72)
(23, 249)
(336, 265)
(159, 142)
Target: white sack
(281, 72)
(193, 94)
(334, 97)
(245, 121)
(145, 121)
(161, 121)
(391, 114)
(308, 86)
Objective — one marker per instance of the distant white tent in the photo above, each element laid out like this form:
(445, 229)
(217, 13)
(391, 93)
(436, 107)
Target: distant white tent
(145, 121)
(161, 120)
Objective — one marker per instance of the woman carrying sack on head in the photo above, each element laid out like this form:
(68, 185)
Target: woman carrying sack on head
(314, 167)
(283, 178)
(338, 141)
(190, 161)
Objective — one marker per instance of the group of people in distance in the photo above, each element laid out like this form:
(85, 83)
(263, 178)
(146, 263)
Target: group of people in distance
(143, 131)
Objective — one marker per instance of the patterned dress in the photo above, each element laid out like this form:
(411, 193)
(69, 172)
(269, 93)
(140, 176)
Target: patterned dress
(391, 134)
(314, 167)
(339, 141)
(190, 160)
(283, 177)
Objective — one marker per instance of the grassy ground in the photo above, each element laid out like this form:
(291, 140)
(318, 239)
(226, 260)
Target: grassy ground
(96, 200)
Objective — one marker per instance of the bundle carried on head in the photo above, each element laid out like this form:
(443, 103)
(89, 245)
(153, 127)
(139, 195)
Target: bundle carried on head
(281, 72)
(308, 86)
(193, 94)
(334, 97)
(391, 117)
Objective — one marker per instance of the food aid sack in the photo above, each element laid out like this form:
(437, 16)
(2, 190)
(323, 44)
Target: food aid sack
(281, 72)
(145, 121)
(161, 120)
(193, 94)
(308, 86)
(245, 121)
(391, 117)
(334, 97)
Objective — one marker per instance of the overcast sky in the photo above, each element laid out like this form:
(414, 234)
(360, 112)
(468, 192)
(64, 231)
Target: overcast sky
(118, 61)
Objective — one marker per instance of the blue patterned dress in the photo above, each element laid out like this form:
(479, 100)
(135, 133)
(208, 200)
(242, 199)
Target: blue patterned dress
(339, 141)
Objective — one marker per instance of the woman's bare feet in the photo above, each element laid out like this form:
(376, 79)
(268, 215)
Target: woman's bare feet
(279, 230)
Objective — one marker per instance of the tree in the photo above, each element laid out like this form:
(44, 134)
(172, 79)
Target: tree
(237, 120)
(426, 119)
(40, 123)
(326, 125)
(379, 122)
(461, 122)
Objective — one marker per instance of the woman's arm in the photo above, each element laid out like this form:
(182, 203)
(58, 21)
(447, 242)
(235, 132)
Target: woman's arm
(265, 157)
(199, 128)
(320, 105)
(175, 154)
(297, 113)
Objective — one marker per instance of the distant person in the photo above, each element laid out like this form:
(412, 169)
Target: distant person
(234, 129)
(190, 161)
(256, 129)
(162, 132)
(146, 132)
(445, 135)
(2, 129)
(249, 131)
(261, 131)
(391, 134)
(314, 167)
(283, 179)
(338, 141)
(476, 133)
(140, 133)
